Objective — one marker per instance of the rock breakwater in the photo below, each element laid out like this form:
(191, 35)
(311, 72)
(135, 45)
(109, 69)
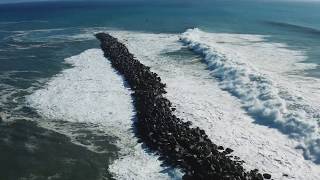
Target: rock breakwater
(177, 143)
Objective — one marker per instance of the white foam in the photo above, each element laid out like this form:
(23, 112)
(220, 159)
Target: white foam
(47, 36)
(199, 98)
(93, 92)
(252, 70)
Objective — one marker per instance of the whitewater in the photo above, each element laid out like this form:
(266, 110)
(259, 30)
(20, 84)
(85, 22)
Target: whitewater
(265, 92)
(93, 92)
(242, 96)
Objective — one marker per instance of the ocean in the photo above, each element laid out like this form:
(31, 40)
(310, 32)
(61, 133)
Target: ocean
(247, 72)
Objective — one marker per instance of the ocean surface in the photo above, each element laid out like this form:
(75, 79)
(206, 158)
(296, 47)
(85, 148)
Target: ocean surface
(246, 72)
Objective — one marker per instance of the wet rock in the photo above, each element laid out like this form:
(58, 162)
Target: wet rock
(220, 148)
(267, 176)
(175, 141)
(228, 151)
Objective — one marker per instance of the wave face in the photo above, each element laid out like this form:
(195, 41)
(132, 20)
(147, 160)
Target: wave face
(92, 92)
(239, 62)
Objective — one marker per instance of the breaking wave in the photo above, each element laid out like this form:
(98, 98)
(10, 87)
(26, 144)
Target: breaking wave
(258, 85)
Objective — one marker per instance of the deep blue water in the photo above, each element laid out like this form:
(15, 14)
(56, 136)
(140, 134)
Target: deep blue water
(34, 41)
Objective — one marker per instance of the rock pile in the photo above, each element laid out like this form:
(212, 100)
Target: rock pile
(178, 144)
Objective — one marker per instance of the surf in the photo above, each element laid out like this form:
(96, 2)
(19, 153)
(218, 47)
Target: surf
(92, 92)
(262, 96)
(207, 105)
(198, 97)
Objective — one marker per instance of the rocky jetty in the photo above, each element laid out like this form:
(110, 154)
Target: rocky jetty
(177, 143)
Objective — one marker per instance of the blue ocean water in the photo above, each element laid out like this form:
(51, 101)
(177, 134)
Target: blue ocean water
(35, 38)
(295, 23)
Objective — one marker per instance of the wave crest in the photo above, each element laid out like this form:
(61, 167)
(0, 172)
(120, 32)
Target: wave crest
(261, 96)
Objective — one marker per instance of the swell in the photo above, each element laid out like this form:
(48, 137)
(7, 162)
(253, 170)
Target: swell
(260, 95)
(294, 27)
(174, 140)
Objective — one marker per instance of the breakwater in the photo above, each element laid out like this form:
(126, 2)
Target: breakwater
(176, 142)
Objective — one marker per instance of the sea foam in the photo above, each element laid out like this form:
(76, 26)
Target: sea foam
(93, 92)
(199, 98)
(258, 85)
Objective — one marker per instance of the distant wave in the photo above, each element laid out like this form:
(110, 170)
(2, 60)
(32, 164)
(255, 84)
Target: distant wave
(294, 27)
(260, 96)
(18, 22)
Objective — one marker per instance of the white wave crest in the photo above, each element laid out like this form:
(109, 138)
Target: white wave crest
(199, 99)
(238, 62)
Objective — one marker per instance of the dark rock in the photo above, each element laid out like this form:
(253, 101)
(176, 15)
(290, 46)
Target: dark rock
(228, 151)
(220, 148)
(267, 176)
(177, 144)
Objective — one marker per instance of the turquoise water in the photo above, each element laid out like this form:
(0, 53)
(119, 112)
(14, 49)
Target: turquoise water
(35, 38)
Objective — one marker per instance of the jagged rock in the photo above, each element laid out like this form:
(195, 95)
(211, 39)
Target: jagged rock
(177, 144)
(220, 148)
(228, 151)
